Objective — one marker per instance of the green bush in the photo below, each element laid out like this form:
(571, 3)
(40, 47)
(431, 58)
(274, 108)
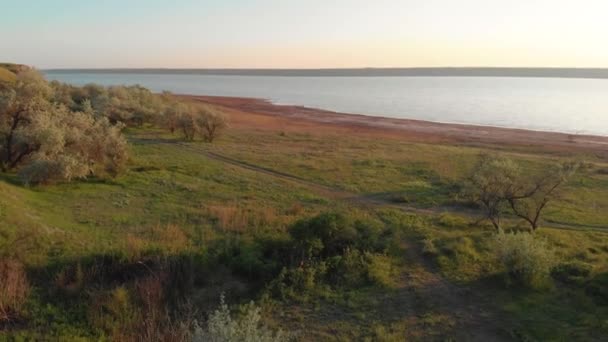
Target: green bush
(572, 272)
(351, 270)
(300, 283)
(330, 234)
(222, 327)
(527, 259)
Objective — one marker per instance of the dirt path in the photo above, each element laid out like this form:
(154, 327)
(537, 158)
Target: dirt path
(422, 290)
(358, 199)
(475, 319)
(327, 191)
(472, 320)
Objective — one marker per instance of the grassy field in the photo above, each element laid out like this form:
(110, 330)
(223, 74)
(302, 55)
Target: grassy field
(436, 280)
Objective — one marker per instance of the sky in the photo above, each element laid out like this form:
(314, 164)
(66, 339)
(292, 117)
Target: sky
(304, 33)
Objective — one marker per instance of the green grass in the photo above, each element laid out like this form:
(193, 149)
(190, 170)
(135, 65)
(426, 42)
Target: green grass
(421, 175)
(438, 262)
(165, 184)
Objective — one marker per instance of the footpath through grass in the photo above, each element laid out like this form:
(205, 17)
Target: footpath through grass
(434, 278)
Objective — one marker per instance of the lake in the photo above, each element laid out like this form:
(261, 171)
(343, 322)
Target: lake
(577, 106)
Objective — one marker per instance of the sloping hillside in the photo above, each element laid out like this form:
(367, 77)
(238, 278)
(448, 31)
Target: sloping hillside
(6, 75)
(14, 68)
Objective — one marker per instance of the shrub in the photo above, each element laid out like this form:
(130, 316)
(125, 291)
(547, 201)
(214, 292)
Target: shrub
(572, 272)
(349, 269)
(47, 141)
(222, 327)
(330, 234)
(355, 269)
(193, 121)
(14, 289)
(526, 258)
(300, 283)
(211, 123)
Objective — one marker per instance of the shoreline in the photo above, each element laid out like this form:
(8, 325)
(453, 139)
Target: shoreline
(247, 111)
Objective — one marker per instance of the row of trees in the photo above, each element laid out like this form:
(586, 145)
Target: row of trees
(54, 131)
(135, 106)
(499, 186)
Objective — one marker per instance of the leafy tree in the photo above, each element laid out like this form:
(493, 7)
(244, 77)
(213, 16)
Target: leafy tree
(196, 120)
(20, 105)
(530, 198)
(498, 185)
(46, 141)
(211, 123)
(490, 181)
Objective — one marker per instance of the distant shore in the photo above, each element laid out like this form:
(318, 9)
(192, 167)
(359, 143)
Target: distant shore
(262, 114)
(596, 73)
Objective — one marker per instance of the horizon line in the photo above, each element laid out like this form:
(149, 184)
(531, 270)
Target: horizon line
(324, 68)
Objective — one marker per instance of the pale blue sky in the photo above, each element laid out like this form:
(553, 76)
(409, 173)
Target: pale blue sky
(304, 34)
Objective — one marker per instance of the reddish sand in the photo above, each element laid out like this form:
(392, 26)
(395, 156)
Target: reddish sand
(261, 114)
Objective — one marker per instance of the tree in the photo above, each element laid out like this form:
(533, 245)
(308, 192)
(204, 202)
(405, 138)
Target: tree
(497, 184)
(187, 122)
(491, 179)
(20, 104)
(45, 141)
(73, 145)
(172, 115)
(193, 121)
(211, 123)
(529, 199)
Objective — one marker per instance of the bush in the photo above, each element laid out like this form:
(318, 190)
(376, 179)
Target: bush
(300, 283)
(355, 269)
(14, 289)
(331, 234)
(222, 327)
(193, 121)
(211, 123)
(572, 272)
(47, 141)
(526, 258)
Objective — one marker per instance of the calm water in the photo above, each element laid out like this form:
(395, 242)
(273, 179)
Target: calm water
(550, 104)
